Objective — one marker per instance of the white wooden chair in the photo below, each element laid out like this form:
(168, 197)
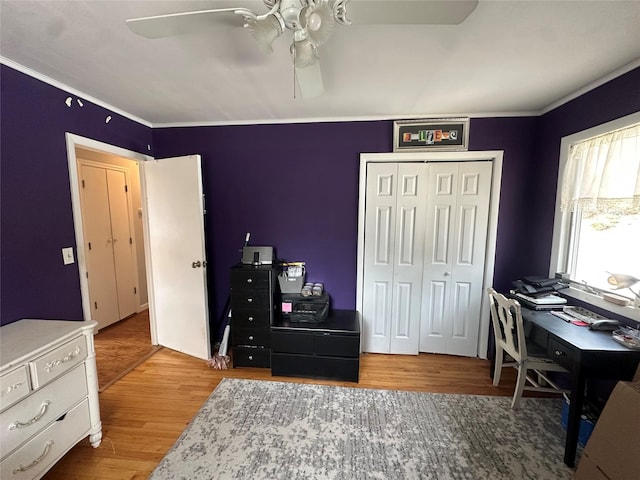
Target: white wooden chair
(506, 317)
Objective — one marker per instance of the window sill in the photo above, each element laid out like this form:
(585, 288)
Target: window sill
(627, 312)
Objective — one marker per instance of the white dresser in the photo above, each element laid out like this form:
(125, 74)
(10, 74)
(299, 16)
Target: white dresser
(48, 394)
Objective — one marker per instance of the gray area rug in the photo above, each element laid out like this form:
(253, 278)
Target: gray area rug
(251, 429)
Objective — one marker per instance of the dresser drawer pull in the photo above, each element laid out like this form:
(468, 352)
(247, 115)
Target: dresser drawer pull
(249, 280)
(43, 410)
(250, 319)
(47, 447)
(250, 357)
(15, 386)
(250, 300)
(68, 357)
(560, 354)
(250, 337)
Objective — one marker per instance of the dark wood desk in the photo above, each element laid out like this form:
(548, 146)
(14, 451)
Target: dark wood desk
(586, 354)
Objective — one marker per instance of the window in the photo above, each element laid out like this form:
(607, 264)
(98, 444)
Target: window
(597, 228)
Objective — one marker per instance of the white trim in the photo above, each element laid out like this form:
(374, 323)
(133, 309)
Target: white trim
(71, 90)
(74, 141)
(375, 118)
(494, 156)
(592, 86)
(562, 219)
(627, 312)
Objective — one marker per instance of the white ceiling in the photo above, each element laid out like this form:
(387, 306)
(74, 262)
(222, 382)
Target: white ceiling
(508, 58)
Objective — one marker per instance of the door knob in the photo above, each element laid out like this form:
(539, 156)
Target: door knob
(197, 264)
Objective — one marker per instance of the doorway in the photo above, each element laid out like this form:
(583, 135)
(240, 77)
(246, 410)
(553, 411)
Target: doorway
(110, 197)
(394, 296)
(172, 213)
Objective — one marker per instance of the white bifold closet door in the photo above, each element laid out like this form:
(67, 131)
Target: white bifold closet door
(424, 249)
(457, 219)
(394, 225)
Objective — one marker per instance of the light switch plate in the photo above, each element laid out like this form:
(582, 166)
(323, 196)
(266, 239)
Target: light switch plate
(67, 255)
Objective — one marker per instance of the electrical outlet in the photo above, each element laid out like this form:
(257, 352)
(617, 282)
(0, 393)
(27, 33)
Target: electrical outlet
(67, 255)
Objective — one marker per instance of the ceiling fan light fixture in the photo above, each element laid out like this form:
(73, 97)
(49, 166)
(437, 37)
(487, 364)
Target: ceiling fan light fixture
(318, 20)
(304, 53)
(265, 30)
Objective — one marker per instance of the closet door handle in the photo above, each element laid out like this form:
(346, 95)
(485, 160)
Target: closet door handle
(197, 264)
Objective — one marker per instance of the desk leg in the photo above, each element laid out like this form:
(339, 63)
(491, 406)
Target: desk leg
(573, 420)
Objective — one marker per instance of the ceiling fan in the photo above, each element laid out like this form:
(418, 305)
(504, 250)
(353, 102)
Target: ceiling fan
(311, 23)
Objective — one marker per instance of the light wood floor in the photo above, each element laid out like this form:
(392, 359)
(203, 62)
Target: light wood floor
(144, 412)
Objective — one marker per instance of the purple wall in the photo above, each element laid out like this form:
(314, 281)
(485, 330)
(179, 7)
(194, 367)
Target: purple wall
(294, 186)
(615, 99)
(37, 219)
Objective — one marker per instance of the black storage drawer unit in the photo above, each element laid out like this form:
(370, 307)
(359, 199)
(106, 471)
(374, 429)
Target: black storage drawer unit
(253, 307)
(329, 350)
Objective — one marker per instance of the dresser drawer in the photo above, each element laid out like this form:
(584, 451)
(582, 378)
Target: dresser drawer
(253, 337)
(258, 299)
(56, 362)
(292, 342)
(37, 455)
(249, 318)
(14, 385)
(251, 357)
(337, 345)
(248, 279)
(25, 419)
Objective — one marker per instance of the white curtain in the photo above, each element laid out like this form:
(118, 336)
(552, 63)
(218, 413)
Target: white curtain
(602, 173)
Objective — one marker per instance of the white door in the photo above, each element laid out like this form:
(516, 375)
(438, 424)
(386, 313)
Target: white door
(457, 221)
(394, 222)
(111, 262)
(103, 291)
(177, 274)
(122, 240)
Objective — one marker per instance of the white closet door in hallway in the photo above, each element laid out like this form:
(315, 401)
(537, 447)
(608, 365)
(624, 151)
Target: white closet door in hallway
(110, 257)
(425, 234)
(457, 220)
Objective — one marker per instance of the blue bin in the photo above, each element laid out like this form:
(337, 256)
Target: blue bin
(586, 425)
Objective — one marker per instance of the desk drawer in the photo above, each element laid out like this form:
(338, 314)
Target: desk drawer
(14, 386)
(562, 353)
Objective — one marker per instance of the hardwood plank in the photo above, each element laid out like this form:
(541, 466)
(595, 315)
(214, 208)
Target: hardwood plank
(144, 412)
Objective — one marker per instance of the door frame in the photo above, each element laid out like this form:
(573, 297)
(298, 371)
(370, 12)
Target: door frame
(74, 141)
(494, 156)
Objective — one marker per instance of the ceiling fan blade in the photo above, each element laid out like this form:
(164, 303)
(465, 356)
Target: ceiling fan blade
(309, 80)
(187, 22)
(408, 12)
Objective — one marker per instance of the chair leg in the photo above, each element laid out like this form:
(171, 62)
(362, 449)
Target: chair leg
(520, 383)
(497, 370)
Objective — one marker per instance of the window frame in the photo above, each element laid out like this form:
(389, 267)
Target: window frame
(561, 245)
